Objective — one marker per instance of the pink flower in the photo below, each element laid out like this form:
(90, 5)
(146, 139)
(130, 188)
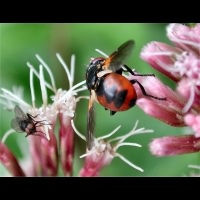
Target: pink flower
(169, 111)
(175, 145)
(180, 63)
(45, 152)
(103, 152)
(9, 161)
(66, 135)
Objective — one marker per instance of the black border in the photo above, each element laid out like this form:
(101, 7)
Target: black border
(98, 187)
(100, 12)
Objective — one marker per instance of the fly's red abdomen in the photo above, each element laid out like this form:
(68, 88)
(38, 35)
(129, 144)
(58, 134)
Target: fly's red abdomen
(116, 93)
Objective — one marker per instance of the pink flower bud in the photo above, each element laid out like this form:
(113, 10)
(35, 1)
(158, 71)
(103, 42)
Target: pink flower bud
(49, 155)
(161, 57)
(98, 158)
(169, 110)
(66, 137)
(9, 161)
(174, 145)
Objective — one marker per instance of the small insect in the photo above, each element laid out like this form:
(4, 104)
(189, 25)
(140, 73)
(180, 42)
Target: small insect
(26, 123)
(109, 87)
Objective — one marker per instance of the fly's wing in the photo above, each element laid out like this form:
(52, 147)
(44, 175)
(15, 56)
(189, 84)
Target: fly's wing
(115, 61)
(19, 113)
(19, 116)
(90, 122)
(15, 124)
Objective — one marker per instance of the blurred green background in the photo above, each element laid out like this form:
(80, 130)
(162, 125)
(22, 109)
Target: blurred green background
(20, 42)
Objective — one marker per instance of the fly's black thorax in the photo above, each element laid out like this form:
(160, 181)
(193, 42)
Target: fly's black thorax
(92, 80)
(24, 123)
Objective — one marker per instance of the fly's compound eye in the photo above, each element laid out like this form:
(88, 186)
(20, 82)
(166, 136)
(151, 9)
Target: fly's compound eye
(97, 62)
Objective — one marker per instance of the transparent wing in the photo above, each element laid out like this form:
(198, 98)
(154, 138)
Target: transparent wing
(90, 122)
(15, 125)
(19, 113)
(117, 58)
(19, 116)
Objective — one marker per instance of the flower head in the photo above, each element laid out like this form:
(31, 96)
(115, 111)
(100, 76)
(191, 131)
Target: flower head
(175, 145)
(44, 150)
(103, 152)
(180, 63)
(9, 161)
